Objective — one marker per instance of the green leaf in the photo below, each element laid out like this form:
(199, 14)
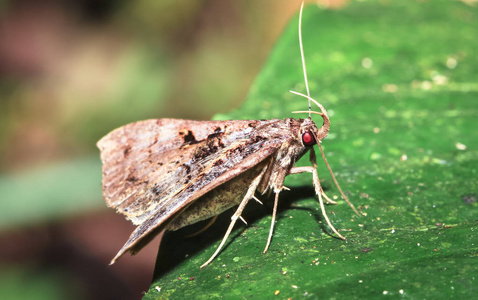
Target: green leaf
(399, 81)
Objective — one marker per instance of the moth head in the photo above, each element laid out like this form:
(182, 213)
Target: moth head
(309, 132)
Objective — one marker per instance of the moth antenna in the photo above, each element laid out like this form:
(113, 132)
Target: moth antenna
(306, 112)
(322, 108)
(303, 58)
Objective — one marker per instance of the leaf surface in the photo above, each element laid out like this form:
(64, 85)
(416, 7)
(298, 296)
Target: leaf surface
(399, 81)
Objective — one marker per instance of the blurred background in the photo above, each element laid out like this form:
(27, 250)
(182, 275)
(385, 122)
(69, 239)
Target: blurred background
(70, 72)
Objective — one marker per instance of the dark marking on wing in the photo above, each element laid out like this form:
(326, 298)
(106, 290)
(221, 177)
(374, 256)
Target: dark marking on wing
(256, 139)
(218, 162)
(189, 138)
(131, 178)
(217, 133)
(127, 150)
(187, 168)
(156, 190)
(212, 146)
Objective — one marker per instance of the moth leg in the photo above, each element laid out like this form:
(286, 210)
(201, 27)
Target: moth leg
(313, 161)
(237, 214)
(318, 191)
(269, 239)
(209, 224)
(327, 198)
(318, 188)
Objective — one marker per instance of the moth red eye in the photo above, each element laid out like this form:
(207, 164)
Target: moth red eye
(308, 139)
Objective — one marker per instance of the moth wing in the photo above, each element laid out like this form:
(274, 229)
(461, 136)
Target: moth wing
(140, 154)
(153, 169)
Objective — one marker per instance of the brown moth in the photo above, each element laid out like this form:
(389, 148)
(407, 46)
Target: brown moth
(164, 174)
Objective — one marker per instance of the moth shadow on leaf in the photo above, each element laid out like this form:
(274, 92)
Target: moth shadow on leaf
(178, 246)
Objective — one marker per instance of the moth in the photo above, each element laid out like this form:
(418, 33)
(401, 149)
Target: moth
(164, 174)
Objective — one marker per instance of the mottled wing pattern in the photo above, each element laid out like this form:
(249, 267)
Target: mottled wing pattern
(153, 169)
